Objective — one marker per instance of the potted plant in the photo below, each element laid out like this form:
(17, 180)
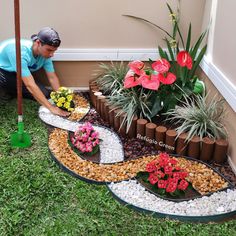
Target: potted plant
(85, 139)
(63, 98)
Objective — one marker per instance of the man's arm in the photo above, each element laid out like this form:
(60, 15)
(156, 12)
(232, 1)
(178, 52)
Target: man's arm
(53, 80)
(39, 96)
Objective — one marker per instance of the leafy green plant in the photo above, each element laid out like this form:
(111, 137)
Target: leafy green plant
(198, 117)
(186, 80)
(110, 77)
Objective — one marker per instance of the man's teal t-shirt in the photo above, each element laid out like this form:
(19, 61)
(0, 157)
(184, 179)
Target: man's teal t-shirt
(29, 63)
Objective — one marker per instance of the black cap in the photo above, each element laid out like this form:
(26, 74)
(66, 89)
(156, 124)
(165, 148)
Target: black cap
(47, 36)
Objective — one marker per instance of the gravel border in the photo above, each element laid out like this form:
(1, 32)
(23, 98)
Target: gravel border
(216, 205)
(109, 138)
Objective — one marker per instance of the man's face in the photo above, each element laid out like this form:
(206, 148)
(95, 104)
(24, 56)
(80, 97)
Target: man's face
(46, 51)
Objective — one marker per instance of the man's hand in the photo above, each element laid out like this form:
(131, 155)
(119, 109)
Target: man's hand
(58, 111)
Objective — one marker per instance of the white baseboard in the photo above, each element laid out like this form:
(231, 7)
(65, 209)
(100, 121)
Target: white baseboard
(75, 88)
(105, 54)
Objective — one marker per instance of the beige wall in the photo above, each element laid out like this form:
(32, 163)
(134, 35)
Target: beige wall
(99, 23)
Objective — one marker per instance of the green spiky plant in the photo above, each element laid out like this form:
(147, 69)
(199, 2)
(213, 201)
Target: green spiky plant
(110, 77)
(198, 117)
(132, 103)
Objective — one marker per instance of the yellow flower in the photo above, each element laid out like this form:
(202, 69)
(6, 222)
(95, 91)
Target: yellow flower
(61, 100)
(173, 17)
(70, 109)
(59, 104)
(69, 97)
(62, 89)
(173, 43)
(67, 105)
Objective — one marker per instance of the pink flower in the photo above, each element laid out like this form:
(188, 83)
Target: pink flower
(150, 82)
(161, 65)
(170, 78)
(184, 59)
(136, 67)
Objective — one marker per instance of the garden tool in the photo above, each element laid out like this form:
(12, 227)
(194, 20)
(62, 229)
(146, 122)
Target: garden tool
(20, 138)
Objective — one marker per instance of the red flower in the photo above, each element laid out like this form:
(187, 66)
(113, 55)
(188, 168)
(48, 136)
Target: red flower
(131, 80)
(184, 59)
(172, 186)
(173, 161)
(153, 178)
(168, 170)
(162, 183)
(183, 185)
(151, 167)
(159, 174)
(161, 65)
(183, 175)
(150, 82)
(136, 67)
(169, 79)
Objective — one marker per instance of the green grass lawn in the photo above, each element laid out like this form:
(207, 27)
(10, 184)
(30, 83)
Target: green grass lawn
(37, 198)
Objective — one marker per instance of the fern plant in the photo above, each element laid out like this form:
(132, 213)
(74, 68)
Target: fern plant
(198, 117)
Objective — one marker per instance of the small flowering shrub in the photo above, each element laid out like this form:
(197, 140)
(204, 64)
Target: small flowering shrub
(86, 139)
(165, 174)
(63, 98)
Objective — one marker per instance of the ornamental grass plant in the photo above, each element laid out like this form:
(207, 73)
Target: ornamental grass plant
(110, 77)
(198, 116)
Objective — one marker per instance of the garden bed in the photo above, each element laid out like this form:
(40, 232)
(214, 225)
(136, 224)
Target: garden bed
(127, 189)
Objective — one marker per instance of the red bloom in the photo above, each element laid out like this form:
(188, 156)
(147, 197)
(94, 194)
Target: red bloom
(183, 185)
(172, 186)
(183, 175)
(150, 82)
(162, 183)
(184, 59)
(136, 67)
(161, 65)
(159, 174)
(131, 80)
(169, 79)
(173, 161)
(151, 167)
(153, 178)
(168, 170)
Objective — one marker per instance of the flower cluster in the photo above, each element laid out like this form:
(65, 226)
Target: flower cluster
(85, 138)
(151, 78)
(166, 174)
(63, 98)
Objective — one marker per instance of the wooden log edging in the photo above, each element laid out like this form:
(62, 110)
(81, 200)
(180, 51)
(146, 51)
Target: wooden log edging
(163, 138)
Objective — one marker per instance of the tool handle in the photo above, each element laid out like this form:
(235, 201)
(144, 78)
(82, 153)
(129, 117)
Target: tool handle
(18, 56)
